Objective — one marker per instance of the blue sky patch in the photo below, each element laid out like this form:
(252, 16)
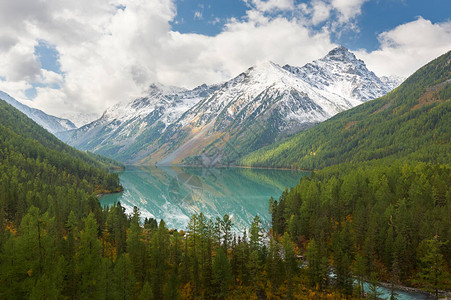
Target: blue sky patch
(48, 56)
(206, 17)
(209, 17)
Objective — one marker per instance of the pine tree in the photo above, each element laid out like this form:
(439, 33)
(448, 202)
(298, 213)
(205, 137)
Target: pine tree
(255, 235)
(222, 274)
(159, 259)
(193, 239)
(317, 265)
(88, 259)
(49, 285)
(171, 288)
(360, 270)
(226, 230)
(433, 273)
(342, 260)
(123, 279)
(274, 266)
(290, 263)
(137, 249)
(146, 292)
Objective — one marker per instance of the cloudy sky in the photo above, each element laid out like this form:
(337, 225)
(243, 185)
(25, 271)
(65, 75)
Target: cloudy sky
(81, 56)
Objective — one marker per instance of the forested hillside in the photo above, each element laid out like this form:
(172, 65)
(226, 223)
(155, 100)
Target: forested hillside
(380, 222)
(41, 177)
(411, 122)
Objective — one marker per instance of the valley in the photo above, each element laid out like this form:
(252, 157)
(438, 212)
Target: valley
(375, 207)
(262, 105)
(225, 150)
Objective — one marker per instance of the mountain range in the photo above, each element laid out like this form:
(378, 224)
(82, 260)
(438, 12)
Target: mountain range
(219, 124)
(50, 123)
(412, 123)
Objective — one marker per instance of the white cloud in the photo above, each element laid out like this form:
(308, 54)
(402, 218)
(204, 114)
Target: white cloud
(241, 45)
(339, 15)
(347, 9)
(321, 11)
(408, 47)
(19, 63)
(272, 5)
(108, 54)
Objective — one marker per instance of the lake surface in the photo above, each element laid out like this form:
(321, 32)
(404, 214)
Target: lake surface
(176, 193)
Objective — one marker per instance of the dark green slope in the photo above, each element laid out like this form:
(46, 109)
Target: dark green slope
(412, 123)
(38, 169)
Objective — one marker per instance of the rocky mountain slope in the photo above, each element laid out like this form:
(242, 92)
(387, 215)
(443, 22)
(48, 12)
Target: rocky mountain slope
(411, 123)
(50, 123)
(218, 124)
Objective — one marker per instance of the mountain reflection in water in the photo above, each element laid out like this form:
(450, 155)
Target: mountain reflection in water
(176, 193)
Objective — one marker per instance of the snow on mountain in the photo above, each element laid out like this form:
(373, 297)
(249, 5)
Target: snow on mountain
(125, 130)
(80, 119)
(342, 74)
(50, 123)
(392, 82)
(220, 123)
(268, 102)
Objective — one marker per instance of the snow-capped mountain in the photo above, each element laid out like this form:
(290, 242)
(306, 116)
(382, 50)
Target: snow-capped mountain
(220, 123)
(341, 73)
(125, 131)
(50, 123)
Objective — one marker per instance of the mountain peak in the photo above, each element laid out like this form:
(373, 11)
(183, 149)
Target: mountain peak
(265, 68)
(157, 88)
(341, 53)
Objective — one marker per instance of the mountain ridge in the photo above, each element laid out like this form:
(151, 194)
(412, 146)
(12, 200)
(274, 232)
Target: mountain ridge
(409, 122)
(50, 123)
(219, 123)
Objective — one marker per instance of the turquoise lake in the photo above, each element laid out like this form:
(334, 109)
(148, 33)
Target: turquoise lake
(176, 193)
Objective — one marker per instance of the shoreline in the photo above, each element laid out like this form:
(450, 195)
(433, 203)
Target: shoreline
(408, 289)
(221, 167)
(98, 196)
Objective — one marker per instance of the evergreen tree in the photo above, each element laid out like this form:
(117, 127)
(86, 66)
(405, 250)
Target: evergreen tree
(317, 265)
(171, 288)
(146, 292)
(226, 231)
(88, 260)
(255, 235)
(137, 249)
(342, 260)
(433, 271)
(123, 279)
(159, 259)
(222, 274)
(290, 263)
(360, 270)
